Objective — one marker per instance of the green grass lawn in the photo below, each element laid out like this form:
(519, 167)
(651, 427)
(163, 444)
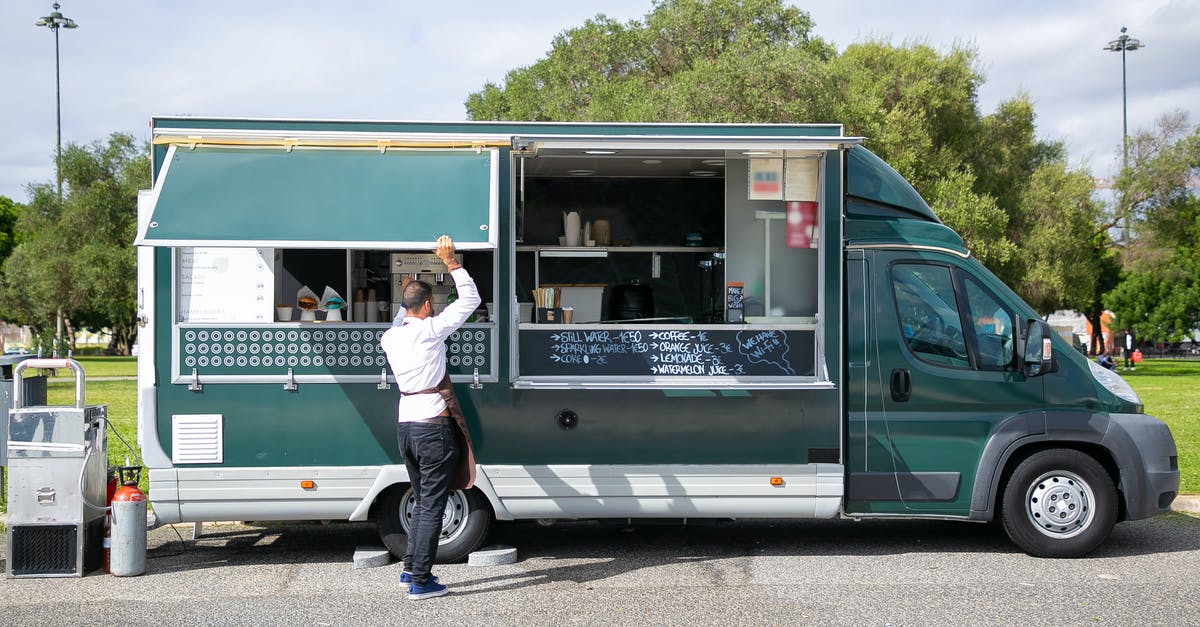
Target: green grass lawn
(1170, 390)
(121, 399)
(119, 396)
(104, 367)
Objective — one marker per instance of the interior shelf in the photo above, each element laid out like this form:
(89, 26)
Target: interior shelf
(619, 249)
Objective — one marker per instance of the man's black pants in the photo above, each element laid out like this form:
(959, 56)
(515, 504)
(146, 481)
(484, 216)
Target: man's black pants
(430, 453)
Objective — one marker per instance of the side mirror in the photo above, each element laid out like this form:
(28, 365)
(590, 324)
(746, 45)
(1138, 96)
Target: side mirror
(1038, 356)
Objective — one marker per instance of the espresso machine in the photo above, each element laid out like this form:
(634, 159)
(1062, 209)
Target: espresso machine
(426, 267)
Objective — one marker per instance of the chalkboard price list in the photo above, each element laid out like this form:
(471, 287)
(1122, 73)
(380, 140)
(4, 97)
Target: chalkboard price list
(667, 353)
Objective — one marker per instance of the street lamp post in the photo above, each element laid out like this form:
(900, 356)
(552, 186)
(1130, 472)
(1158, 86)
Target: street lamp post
(1122, 44)
(55, 21)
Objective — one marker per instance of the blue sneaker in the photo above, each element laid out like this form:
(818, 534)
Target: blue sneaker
(406, 577)
(431, 589)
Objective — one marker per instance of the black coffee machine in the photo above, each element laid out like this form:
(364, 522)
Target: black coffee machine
(630, 301)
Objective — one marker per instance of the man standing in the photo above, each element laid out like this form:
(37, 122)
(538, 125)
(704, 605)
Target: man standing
(1129, 345)
(430, 420)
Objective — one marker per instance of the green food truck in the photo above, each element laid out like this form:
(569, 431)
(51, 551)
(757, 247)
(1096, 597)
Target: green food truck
(679, 321)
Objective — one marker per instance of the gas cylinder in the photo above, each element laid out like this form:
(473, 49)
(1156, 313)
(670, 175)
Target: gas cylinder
(109, 493)
(128, 553)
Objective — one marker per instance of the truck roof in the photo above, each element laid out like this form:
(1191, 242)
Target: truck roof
(882, 207)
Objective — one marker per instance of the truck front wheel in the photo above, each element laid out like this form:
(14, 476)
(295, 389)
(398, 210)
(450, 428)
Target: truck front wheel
(1059, 503)
(465, 523)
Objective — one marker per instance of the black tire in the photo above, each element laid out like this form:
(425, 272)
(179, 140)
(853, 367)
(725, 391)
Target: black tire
(464, 527)
(1059, 503)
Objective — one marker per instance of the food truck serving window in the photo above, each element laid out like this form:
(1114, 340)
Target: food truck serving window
(323, 197)
(286, 264)
(254, 315)
(670, 262)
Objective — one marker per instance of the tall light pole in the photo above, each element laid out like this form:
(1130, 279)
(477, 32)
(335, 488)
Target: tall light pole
(55, 21)
(1122, 44)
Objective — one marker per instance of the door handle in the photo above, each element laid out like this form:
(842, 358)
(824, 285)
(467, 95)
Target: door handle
(901, 385)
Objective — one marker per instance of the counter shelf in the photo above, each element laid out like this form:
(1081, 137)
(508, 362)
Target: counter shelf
(324, 352)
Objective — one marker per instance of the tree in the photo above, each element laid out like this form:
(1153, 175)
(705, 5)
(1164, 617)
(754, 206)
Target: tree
(1159, 296)
(8, 232)
(988, 177)
(76, 256)
(691, 60)
(1060, 245)
(8, 227)
(917, 109)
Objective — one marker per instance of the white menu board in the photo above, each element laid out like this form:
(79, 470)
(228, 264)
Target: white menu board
(226, 285)
(802, 180)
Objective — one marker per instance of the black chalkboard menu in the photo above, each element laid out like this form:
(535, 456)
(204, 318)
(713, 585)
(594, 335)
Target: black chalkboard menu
(725, 352)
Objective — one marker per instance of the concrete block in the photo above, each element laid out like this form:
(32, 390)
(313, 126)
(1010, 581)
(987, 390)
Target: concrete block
(494, 555)
(1186, 503)
(371, 557)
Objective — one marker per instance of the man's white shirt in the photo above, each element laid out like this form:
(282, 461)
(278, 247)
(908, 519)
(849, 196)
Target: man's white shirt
(416, 350)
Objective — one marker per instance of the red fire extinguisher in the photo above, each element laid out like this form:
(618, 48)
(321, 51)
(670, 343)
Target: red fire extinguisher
(113, 484)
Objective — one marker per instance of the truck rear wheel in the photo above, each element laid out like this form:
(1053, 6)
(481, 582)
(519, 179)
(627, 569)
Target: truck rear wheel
(465, 523)
(1059, 503)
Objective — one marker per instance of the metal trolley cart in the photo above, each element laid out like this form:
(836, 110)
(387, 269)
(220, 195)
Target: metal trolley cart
(57, 460)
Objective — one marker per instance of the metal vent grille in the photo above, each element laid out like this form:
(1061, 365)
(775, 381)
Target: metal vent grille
(196, 439)
(43, 549)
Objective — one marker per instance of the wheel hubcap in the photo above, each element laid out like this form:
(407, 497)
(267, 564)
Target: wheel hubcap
(1060, 504)
(454, 517)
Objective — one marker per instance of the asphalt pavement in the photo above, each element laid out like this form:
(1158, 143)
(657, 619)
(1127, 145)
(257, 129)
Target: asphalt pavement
(745, 572)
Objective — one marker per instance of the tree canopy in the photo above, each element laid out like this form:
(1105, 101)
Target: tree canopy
(76, 255)
(8, 227)
(1160, 296)
(987, 176)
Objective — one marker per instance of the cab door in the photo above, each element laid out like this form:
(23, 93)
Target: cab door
(948, 374)
(871, 485)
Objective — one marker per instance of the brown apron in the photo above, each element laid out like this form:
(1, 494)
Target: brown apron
(464, 475)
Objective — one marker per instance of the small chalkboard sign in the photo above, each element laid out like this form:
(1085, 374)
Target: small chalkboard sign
(734, 351)
(735, 293)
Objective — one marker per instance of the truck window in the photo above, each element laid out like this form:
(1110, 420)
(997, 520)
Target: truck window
(992, 325)
(930, 323)
(667, 264)
(928, 313)
(253, 315)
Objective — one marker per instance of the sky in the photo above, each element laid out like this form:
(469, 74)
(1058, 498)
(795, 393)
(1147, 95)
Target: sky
(130, 60)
